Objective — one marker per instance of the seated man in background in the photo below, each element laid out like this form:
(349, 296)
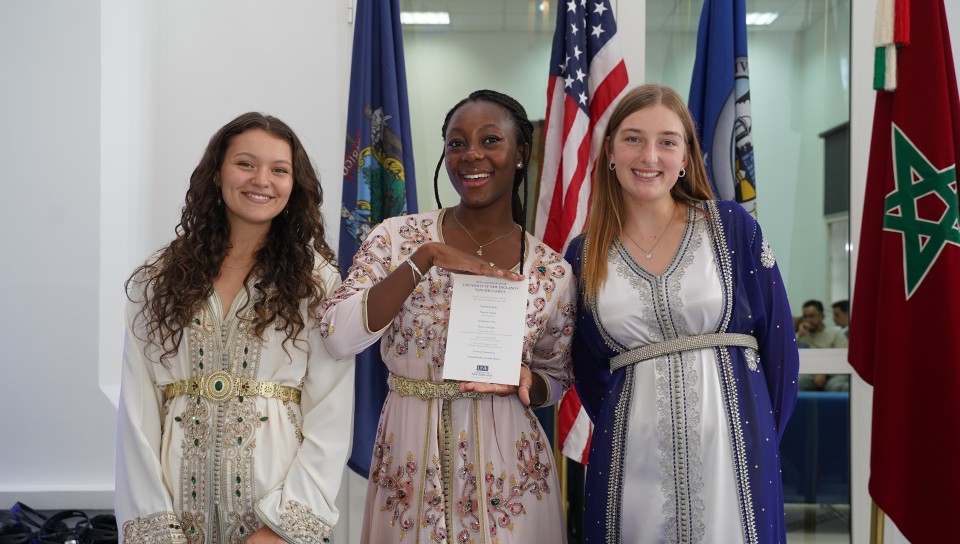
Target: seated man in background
(812, 333)
(841, 316)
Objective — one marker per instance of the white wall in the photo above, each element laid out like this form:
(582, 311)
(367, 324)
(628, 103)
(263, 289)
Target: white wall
(107, 108)
(57, 437)
(443, 68)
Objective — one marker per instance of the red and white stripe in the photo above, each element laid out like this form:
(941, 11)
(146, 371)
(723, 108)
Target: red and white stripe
(571, 143)
(573, 136)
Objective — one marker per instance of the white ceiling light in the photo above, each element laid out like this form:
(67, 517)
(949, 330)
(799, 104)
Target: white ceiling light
(424, 18)
(761, 19)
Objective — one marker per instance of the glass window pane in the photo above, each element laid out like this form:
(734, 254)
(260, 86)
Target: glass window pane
(799, 82)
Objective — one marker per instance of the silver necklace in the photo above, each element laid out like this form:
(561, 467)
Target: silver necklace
(479, 245)
(649, 254)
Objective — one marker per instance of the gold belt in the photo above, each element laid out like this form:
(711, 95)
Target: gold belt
(422, 389)
(222, 385)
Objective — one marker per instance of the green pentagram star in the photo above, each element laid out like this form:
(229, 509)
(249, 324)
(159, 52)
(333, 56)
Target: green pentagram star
(923, 239)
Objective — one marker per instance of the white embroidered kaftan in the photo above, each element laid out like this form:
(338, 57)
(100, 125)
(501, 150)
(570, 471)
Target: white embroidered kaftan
(467, 470)
(190, 469)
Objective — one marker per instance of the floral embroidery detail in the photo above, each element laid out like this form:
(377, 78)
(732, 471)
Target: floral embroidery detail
(162, 527)
(302, 525)
(433, 502)
(544, 269)
(398, 483)
(753, 358)
(504, 501)
(239, 527)
(194, 525)
(295, 419)
(219, 439)
(468, 511)
(766, 254)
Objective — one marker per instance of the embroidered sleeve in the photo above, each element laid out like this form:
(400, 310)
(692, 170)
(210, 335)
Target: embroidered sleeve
(303, 525)
(159, 528)
(344, 314)
(551, 312)
(140, 488)
(778, 353)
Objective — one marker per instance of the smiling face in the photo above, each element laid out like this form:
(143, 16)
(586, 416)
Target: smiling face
(649, 150)
(256, 178)
(481, 153)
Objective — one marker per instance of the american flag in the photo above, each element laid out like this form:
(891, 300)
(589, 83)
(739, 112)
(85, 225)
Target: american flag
(587, 76)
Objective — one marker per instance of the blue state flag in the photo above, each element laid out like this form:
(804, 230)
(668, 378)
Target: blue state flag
(720, 101)
(378, 179)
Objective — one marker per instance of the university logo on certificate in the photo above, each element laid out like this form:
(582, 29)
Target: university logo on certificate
(485, 334)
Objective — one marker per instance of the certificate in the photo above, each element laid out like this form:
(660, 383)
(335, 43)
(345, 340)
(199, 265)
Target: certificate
(486, 329)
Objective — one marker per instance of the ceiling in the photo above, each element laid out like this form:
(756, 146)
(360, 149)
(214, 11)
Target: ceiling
(662, 15)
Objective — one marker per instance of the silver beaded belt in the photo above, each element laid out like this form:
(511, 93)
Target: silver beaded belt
(684, 343)
(422, 389)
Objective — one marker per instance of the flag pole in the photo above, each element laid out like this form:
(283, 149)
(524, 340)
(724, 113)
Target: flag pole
(876, 524)
(561, 462)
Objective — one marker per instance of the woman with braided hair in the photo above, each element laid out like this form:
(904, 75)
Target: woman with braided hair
(234, 420)
(453, 461)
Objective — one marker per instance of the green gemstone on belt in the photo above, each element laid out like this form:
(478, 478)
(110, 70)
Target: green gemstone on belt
(218, 385)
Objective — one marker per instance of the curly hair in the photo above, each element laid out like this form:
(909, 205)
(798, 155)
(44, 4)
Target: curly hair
(524, 134)
(176, 281)
(606, 204)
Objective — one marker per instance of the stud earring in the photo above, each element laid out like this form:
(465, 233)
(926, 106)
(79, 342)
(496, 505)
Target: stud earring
(520, 164)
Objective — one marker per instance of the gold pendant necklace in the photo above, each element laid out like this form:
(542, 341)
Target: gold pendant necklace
(479, 245)
(649, 254)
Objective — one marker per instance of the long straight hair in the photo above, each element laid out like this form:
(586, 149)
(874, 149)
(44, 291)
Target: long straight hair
(607, 208)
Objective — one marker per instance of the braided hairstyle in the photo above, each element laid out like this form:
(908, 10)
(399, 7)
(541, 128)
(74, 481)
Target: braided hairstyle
(524, 133)
(175, 282)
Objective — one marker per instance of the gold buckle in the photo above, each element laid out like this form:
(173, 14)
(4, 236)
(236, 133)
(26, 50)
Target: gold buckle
(219, 386)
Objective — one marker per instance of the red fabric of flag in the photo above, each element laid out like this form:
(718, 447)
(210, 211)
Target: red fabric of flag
(587, 76)
(906, 308)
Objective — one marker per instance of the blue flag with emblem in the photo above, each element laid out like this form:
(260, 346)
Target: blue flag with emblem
(720, 101)
(378, 179)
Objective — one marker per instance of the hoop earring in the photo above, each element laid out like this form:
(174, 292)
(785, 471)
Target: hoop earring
(613, 165)
(683, 172)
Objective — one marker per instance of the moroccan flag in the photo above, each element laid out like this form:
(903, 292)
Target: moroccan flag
(906, 307)
(720, 101)
(587, 76)
(378, 179)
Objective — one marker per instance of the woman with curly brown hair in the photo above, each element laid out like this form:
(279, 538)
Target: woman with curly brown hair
(234, 420)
